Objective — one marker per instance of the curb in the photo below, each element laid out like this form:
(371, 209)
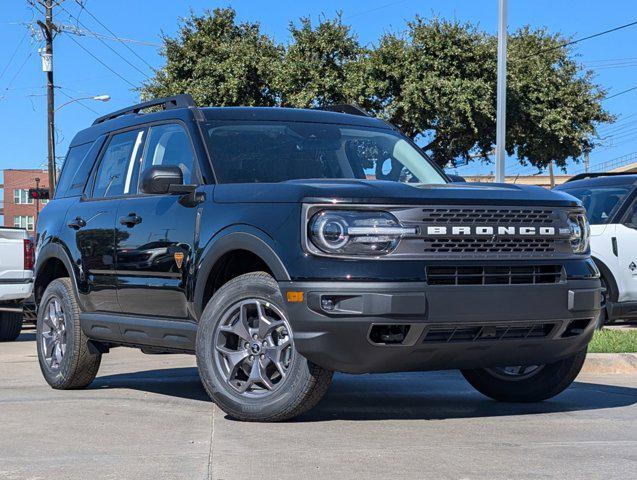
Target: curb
(610, 364)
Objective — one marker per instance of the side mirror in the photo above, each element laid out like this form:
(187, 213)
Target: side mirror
(161, 179)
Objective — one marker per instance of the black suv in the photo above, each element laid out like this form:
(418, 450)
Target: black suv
(280, 245)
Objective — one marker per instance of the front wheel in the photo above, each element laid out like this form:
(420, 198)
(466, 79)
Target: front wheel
(529, 383)
(246, 356)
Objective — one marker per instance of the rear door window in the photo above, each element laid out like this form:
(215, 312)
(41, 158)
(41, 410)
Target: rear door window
(114, 174)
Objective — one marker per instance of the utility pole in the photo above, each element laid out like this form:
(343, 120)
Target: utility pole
(48, 30)
(500, 133)
(587, 162)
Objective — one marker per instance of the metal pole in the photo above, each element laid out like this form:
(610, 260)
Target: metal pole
(587, 163)
(500, 133)
(48, 29)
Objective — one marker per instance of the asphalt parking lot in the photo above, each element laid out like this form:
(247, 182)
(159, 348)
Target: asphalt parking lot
(148, 417)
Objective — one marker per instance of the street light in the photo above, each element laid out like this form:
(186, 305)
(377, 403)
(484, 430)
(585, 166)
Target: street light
(98, 98)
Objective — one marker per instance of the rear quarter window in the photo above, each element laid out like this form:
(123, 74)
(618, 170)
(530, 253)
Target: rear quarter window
(76, 168)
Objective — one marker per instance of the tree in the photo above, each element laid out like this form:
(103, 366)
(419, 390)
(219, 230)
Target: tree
(316, 65)
(436, 81)
(439, 83)
(553, 107)
(218, 62)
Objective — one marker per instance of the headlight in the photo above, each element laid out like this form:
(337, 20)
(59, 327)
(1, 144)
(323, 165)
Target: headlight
(580, 232)
(346, 232)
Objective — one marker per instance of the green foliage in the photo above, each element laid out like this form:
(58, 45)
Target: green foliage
(315, 67)
(436, 81)
(218, 62)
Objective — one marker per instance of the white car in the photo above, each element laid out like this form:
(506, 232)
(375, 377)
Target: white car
(610, 200)
(16, 279)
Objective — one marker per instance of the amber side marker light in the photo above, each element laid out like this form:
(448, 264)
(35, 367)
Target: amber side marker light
(294, 297)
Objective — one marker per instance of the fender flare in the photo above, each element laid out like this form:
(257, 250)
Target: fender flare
(253, 241)
(55, 250)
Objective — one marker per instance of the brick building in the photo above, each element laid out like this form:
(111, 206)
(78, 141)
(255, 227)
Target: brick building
(19, 210)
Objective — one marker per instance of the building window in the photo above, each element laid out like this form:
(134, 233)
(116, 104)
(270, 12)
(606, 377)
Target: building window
(24, 221)
(21, 196)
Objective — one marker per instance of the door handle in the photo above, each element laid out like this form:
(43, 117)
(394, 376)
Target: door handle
(77, 223)
(130, 220)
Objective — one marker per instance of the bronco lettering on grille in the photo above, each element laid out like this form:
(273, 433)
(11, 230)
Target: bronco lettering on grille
(487, 230)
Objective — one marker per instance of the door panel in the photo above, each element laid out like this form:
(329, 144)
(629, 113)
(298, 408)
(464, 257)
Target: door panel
(627, 265)
(153, 255)
(94, 225)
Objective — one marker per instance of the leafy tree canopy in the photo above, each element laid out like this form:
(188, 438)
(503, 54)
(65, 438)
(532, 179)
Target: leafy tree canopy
(436, 81)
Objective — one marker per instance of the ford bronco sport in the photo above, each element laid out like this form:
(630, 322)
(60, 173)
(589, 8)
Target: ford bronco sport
(280, 245)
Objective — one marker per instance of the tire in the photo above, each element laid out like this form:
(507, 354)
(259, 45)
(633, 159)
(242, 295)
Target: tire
(544, 383)
(603, 317)
(297, 385)
(78, 364)
(10, 326)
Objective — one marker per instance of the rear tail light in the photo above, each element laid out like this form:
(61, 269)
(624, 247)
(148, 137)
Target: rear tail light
(29, 254)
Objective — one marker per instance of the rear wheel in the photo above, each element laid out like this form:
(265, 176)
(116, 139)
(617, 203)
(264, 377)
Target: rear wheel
(530, 383)
(64, 353)
(246, 355)
(10, 326)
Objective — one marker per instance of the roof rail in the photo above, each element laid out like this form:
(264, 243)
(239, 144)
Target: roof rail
(345, 108)
(176, 101)
(582, 176)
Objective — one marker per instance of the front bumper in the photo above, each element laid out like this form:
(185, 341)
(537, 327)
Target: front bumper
(443, 327)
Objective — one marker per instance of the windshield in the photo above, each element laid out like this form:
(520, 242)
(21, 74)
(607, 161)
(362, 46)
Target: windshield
(600, 202)
(280, 151)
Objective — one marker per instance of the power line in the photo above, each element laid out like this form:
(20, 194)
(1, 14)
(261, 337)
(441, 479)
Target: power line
(620, 93)
(113, 33)
(15, 75)
(106, 44)
(573, 42)
(101, 62)
(14, 53)
(371, 9)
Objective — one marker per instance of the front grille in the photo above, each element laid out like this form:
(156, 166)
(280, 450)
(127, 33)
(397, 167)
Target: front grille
(494, 275)
(494, 332)
(468, 215)
(489, 245)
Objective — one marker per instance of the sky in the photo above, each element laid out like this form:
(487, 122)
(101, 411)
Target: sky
(613, 57)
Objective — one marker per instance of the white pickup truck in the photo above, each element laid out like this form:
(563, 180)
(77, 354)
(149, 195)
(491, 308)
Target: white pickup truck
(16, 279)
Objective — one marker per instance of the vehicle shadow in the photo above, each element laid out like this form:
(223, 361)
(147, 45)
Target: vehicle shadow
(26, 337)
(175, 382)
(417, 395)
(446, 395)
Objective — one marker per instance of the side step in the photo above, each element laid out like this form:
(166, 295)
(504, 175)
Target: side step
(140, 331)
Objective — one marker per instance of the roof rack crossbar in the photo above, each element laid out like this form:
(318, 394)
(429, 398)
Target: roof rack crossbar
(345, 108)
(176, 101)
(582, 176)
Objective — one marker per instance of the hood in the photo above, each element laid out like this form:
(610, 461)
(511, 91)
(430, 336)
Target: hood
(387, 192)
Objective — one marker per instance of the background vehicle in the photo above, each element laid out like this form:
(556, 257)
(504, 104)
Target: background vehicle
(16, 279)
(280, 245)
(611, 203)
